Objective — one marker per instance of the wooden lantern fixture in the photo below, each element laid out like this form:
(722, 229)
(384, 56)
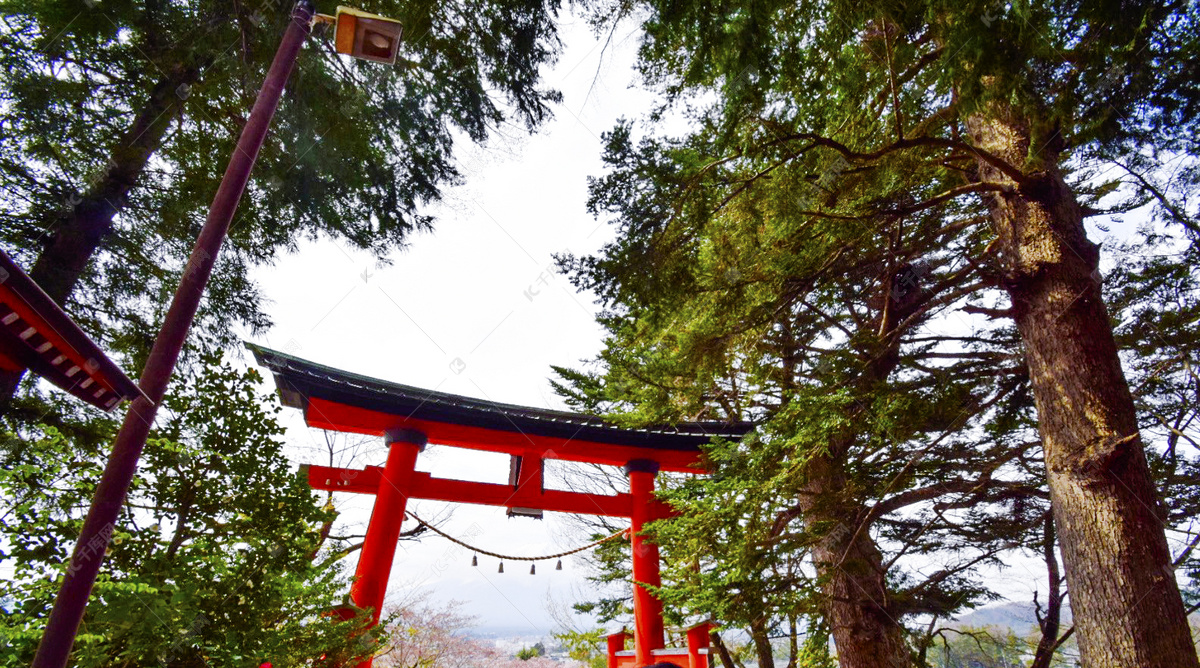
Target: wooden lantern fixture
(366, 36)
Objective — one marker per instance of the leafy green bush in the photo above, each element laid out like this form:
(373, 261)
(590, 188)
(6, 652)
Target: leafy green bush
(215, 561)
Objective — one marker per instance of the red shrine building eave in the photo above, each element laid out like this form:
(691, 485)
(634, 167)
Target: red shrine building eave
(341, 401)
(36, 335)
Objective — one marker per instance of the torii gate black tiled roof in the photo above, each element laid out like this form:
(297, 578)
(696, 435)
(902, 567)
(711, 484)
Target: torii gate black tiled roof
(299, 380)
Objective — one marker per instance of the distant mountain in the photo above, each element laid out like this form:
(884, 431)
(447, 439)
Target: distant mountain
(1019, 617)
(495, 632)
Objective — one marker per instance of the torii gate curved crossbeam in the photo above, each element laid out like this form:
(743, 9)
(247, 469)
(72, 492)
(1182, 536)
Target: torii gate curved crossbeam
(408, 417)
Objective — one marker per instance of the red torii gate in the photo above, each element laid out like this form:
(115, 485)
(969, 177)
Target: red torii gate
(409, 417)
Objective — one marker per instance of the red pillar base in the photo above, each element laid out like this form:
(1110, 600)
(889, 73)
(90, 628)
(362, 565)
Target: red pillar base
(383, 531)
(648, 634)
(697, 639)
(616, 643)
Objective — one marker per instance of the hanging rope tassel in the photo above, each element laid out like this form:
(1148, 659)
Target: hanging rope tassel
(533, 569)
(559, 566)
(501, 567)
(474, 559)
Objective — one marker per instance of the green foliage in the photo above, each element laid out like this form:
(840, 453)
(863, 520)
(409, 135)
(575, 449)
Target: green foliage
(725, 528)
(527, 653)
(587, 647)
(814, 652)
(811, 254)
(1155, 299)
(215, 560)
(135, 106)
(753, 322)
(1098, 72)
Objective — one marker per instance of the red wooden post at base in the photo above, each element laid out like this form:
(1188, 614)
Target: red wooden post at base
(648, 632)
(616, 643)
(383, 532)
(697, 639)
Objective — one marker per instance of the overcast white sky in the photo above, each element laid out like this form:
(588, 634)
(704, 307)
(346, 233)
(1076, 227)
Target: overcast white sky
(480, 289)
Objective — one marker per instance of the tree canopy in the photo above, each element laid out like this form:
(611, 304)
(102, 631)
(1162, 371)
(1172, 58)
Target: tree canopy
(119, 116)
(872, 239)
(218, 555)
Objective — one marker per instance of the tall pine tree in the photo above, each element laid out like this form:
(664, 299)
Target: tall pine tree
(1014, 112)
(879, 433)
(119, 116)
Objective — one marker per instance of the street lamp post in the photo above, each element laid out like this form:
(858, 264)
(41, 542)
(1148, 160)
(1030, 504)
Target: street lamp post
(69, 605)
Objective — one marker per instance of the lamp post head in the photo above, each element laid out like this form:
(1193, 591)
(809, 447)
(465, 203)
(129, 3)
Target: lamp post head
(367, 36)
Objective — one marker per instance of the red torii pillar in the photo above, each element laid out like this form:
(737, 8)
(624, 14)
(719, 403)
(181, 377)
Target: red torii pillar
(648, 632)
(383, 531)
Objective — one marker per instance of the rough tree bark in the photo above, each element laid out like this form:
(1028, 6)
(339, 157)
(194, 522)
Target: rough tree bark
(722, 651)
(79, 231)
(848, 563)
(850, 568)
(1127, 608)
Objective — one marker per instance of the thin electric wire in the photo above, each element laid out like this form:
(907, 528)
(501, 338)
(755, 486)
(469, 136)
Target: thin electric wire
(547, 557)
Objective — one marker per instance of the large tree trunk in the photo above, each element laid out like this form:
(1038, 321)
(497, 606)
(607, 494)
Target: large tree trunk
(760, 638)
(849, 566)
(1127, 607)
(850, 569)
(79, 231)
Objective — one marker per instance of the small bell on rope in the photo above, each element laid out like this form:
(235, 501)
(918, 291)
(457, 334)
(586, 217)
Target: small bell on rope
(501, 567)
(474, 559)
(533, 569)
(559, 566)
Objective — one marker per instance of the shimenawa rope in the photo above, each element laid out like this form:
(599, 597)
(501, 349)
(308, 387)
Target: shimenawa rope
(503, 557)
